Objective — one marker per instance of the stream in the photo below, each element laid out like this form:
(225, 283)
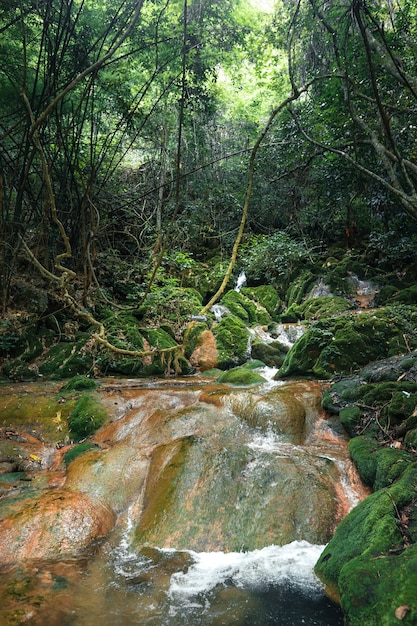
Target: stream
(200, 504)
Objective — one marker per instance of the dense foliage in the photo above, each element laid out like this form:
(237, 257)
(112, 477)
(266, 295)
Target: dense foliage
(126, 132)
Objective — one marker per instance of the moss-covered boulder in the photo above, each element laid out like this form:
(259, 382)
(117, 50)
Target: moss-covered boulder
(349, 342)
(249, 311)
(402, 367)
(79, 383)
(86, 417)
(232, 340)
(241, 376)
(370, 563)
(317, 308)
(169, 303)
(127, 334)
(272, 354)
(65, 360)
(303, 356)
(404, 296)
(341, 394)
(299, 287)
(378, 466)
(267, 296)
(323, 306)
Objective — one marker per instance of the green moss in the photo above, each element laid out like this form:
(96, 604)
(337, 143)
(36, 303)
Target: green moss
(123, 331)
(385, 294)
(267, 296)
(324, 306)
(168, 461)
(405, 296)
(272, 354)
(245, 309)
(411, 438)
(18, 370)
(86, 417)
(299, 287)
(378, 467)
(172, 304)
(374, 589)
(65, 360)
(193, 338)
(158, 338)
(253, 364)
(232, 339)
(77, 451)
(291, 315)
(303, 356)
(40, 412)
(350, 417)
(349, 342)
(370, 530)
(78, 383)
(341, 393)
(241, 376)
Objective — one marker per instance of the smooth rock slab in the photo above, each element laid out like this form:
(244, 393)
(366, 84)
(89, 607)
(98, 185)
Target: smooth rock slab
(52, 525)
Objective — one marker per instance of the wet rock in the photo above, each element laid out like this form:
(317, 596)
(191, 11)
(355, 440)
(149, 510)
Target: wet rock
(369, 561)
(241, 376)
(205, 356)
(52, 525)
(232, 340)
(348, 343)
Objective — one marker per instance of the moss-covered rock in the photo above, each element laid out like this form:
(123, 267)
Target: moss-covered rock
(272, 354)
(404, 296)
(349, 342)
(368, 563)
(299, 287)
(123, 331)
(323, 306)
(402, 367)
(385, 294)
(303, 356)
(267, 296)
(169, 304)
(86, 417)
(232, 340)
(378, 466)
(65, 360)
(79, 383)
(193, 338)
(341, 394)
(249, 311)
(350, 418)
(241, 376)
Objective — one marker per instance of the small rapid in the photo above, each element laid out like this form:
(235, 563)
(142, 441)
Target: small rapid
(223, 499)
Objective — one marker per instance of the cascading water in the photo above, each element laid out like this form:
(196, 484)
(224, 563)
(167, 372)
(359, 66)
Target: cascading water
(240, 281)
(225, 499)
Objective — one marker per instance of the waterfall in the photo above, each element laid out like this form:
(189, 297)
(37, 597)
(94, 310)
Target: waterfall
(241, 280)
(287, 334)
(219, 311)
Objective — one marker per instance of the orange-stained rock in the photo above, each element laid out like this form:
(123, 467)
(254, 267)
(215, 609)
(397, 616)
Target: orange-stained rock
(205, 356)
(52, 525)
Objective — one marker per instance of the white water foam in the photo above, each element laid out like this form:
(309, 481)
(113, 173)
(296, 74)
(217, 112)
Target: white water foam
(291, 564)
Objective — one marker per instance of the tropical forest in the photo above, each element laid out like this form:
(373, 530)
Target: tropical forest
(208, 328)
